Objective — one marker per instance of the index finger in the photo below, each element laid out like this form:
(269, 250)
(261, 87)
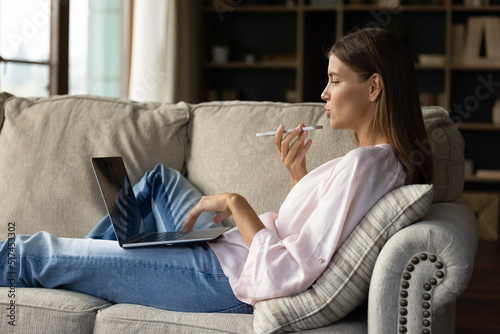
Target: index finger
(279, 136)
(294, 133)
(191, 219)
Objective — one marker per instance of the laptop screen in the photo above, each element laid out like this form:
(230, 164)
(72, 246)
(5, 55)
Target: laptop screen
(119, 197)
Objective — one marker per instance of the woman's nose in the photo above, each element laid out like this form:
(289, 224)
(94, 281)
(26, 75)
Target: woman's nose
(324, 95)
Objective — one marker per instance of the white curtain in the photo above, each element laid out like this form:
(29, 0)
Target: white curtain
(154, 55)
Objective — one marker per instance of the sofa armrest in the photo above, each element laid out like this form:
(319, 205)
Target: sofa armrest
(422, 270)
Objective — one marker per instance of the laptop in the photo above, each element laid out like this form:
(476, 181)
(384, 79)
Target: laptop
(125, 215)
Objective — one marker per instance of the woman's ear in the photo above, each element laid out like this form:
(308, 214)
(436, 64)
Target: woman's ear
(376, 86)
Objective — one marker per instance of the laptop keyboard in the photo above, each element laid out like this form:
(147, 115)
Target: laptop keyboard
(161, 236)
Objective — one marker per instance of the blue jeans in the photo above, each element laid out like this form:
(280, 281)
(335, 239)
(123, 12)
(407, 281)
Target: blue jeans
(185, 278)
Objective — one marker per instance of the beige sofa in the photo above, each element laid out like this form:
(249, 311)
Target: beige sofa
(46, 183)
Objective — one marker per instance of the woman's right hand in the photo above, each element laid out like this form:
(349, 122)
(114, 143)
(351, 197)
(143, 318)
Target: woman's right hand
(225, 205)
(293, 154)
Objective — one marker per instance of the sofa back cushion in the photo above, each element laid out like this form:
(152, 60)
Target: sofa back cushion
(46, 180)
(226, 156)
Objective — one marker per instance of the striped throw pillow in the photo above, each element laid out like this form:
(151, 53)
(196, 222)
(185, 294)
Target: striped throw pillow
(343, 286)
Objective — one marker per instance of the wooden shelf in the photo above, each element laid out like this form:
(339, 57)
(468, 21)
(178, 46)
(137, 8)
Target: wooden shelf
(349, 7)
(322, 8)
(254, 8)
(486, 67)
(257, 65)
(473, 178)
(406, 8)
(469, 9)
(429, 67)
(478, 126)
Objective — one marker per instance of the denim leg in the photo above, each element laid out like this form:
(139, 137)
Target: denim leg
(184, 278)
(165, 198)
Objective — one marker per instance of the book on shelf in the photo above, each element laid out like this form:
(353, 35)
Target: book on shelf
(474, 36)
(222, 95)
(492, 30)
(480, 29)
(458, 31)
(432, 99)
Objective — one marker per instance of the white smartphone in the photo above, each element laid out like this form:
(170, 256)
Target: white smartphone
(272, 133)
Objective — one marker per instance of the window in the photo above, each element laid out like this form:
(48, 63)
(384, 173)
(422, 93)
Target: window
(25, 46)
(60, 46)
(95, 45)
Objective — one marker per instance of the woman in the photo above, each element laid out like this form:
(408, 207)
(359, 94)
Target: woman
(372, 90)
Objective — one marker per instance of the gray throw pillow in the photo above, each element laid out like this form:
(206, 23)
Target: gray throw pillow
(343, 286)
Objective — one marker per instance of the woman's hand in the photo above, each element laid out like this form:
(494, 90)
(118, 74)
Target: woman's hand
(293, 155)
(225, 205)
(217, 203)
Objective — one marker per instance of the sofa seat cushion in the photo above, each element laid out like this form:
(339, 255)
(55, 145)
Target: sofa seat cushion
(39, 310)
(128, 318)
(46, 180)
(344, 285)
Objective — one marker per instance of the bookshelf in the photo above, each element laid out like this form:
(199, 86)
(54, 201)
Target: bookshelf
(469, 78)
(287, 40)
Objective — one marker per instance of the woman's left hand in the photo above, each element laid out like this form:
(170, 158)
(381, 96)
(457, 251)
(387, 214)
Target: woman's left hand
(293, 154)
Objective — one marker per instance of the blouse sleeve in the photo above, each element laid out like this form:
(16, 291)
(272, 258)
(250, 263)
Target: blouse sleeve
(284, 266)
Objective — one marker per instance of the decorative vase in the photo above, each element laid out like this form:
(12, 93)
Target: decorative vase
(495, 114)
(220, 54)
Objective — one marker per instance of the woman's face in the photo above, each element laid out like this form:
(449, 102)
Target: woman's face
(347, 98)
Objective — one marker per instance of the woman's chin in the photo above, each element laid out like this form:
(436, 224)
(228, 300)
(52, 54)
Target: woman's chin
(333, 124)
(338, 126)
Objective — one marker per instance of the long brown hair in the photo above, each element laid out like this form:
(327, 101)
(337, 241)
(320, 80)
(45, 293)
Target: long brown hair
(398, 113)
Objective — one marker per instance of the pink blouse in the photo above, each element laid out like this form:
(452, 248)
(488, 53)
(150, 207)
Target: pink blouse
(316, 217)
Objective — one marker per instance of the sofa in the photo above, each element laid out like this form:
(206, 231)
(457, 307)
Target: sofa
(400, 271)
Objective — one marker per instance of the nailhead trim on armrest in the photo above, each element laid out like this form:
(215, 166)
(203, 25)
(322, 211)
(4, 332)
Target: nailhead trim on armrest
(427, 292)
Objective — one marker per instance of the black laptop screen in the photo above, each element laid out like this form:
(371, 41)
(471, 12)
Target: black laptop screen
(119, 197)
